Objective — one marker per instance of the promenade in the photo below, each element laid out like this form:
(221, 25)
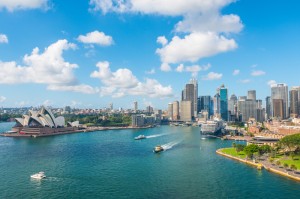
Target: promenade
(264, 163)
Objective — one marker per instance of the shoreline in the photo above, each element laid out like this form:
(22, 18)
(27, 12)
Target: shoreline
(258, 165)
(87, 130)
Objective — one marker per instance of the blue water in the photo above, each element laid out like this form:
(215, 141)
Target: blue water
(110, 164)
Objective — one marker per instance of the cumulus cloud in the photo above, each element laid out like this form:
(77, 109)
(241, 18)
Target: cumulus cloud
(203, 26)
(236, 72)
(150, 72)
(81, 88)
(258, 73)
(165, 67)
(194, 69)
(48, 67)
(122, 82)
(96, 37)
(162, 40)
(213, 76)
(271, 82)
(2, 99)
(3, 38)
(12, 5)
(194, 46)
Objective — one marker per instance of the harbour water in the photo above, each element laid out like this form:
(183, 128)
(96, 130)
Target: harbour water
(111, 164)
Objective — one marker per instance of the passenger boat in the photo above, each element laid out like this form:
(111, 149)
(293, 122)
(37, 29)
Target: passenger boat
(140, 137)
(158, 149)
(40, 175)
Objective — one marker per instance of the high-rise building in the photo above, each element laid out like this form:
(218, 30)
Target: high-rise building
(216, 104)
(175, 110)
(232, 102)
(294, 102)
(224, 103)
(278, 109)
(280, 91)
(186, 111)
(137, 120)
(170, 111)
(268, 107)
(135, 106)
(206, 104)
(190, 93)
(248, 109)
(149, 109)
(251, 95)
(195, 100)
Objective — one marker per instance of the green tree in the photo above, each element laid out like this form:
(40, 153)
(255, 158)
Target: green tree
(265, 149)
(250, 150)
(233, 144)
(239, 147)
(293, 167)
(285, 165)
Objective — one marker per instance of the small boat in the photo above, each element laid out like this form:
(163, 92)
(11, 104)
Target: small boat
(140, 137)
(40, 175)
(158, 149)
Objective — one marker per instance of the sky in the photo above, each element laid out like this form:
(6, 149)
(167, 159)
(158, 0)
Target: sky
(90, 53)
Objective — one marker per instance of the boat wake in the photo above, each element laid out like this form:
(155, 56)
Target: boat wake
(156, 135)
(169, 145)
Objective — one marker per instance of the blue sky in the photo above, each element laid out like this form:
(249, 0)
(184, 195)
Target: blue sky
(97, 52)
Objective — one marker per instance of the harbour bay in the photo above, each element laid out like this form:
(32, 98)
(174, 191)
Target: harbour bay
(111, 164)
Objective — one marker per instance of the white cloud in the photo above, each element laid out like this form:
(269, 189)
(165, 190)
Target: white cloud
(48, 67)
(236, 72)
(162, 40)
(258, 73)
(213, 76)
(194, 46)
(2, 99)
(271, 82)
(3, 38)
(12, 5)
(202, 23)
(194, 69)
(245, 81)
(81, 88)
(150, 72)
(96, 37)
(165, 67)
(47, 103)
(122, 82)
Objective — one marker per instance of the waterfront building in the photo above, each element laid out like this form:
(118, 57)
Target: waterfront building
(43, 122)
(186, 111)
(170, 111)
(175, 110)
(251, 95)
(268, 107)
(223, 103)
(137, 121)
(279, 92)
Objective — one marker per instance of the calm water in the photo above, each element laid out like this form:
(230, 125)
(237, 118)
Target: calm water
(110, 164)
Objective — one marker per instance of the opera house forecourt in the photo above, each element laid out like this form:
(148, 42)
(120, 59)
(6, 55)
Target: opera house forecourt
(41, 123)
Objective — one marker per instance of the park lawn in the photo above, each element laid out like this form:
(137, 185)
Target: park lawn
(232, 151)
(289, 161)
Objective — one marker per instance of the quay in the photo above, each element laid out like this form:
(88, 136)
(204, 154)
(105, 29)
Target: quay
(263, 164)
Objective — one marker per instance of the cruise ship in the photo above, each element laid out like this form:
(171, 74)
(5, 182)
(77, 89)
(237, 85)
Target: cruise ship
(212, 128)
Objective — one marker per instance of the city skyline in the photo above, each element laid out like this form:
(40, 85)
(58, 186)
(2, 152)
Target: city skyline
(89, 54)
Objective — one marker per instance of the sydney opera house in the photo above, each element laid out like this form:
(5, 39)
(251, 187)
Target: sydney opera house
(43, 123)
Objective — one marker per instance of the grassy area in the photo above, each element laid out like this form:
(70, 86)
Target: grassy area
(289, 160)
(232, 151)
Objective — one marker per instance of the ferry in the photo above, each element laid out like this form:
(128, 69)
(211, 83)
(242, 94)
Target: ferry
(140, 137)
(40, 175)
(212, 128)
(158, 149)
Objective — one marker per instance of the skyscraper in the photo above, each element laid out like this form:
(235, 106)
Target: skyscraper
(278, 109)
(175, 110)
(248, 109)
(294, 102)
(170, 111)
(135, 106)
(268, 107)
(216, 104)
(280, 92)
(186, 111)
(206, 104)
(224, 103)
(251, 95)
(190, 93)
